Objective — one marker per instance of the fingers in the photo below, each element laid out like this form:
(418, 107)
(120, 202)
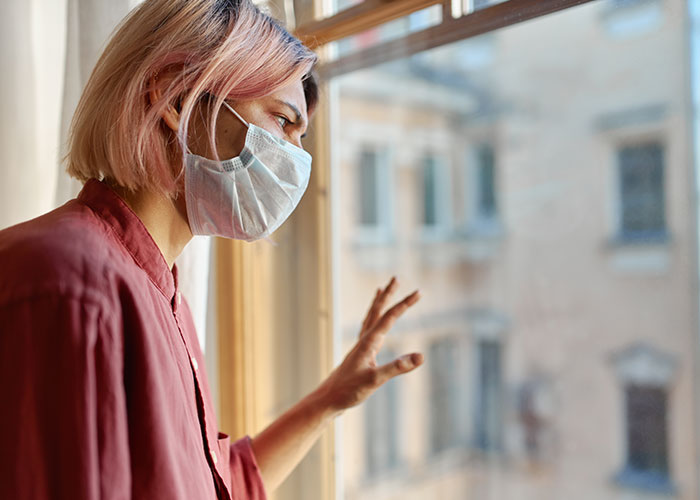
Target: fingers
(390, 317)
(378, 303)
(371, 341)
(399, 366)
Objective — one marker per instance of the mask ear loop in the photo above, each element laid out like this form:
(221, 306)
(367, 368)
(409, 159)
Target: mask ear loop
(232, 111)
(236, 113)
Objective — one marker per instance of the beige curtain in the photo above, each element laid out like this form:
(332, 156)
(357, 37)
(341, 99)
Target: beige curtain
(47, 51)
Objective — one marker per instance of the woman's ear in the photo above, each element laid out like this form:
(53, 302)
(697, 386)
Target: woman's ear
(155, 93)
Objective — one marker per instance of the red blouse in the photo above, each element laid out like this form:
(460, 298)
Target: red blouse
(103, 388)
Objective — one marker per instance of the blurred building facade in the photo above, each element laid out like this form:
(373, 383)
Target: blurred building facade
(536, 184)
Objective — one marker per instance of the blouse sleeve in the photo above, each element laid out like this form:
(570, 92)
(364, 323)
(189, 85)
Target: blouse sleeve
(63, 425)
(246, 480)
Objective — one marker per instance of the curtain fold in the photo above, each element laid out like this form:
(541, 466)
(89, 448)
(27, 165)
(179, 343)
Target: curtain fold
(47, 52)
(22, 179)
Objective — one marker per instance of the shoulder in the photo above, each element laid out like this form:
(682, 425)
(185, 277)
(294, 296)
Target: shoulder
(69, 251)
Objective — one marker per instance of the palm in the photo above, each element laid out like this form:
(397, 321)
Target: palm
(358, 376)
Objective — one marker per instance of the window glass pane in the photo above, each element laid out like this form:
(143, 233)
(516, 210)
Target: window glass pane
(367, 190)
(560, 292)
(430, 208)
(642, 191)
(443, 395)
(391, 30)
(486, 182)
(487, 431)
(646, 424)
(381, 432)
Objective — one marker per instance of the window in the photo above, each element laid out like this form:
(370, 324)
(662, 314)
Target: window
(523, 133)
(431, 193)
(368, 189)
(444, 395)
(488, 418)
(486, 175)
(647, 442)
(642, 199)
(381, 424)
(435, 195)
(373, 195)
(482, 192)
(646, 375)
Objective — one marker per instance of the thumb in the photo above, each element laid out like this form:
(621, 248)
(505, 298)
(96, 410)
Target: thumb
(399, 366)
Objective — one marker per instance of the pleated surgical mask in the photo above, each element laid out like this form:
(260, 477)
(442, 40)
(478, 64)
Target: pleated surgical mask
(247, 197)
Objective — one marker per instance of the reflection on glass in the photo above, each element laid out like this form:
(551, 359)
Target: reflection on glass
(536, 184)
(417, 21)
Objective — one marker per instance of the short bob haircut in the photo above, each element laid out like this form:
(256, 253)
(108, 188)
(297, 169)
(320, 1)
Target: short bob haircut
(225, 48)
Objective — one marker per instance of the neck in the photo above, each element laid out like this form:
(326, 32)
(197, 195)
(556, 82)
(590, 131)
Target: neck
(164, 218)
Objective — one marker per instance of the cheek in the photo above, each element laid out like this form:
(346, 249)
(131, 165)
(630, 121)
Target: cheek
(230, 140)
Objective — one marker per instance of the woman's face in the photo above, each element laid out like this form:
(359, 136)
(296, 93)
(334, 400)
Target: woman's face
(282, 113)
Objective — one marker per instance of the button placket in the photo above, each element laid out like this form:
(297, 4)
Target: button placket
(200, 401)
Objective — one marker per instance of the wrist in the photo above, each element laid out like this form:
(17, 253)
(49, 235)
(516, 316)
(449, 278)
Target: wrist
(321, 400)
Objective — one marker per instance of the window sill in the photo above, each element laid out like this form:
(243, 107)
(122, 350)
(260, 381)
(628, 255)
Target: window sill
(481, 241)
(651, 482)
(361, 242)
(648, 255)
(656, 239)
(398, 472)
(483, 231)
(435, 235)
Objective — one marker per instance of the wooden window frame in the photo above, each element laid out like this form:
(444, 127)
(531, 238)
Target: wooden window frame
(373, 13)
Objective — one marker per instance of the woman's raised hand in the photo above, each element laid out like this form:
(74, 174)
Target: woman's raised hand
(358, 376)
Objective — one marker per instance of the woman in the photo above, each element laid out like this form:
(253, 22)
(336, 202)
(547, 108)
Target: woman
(191, 123)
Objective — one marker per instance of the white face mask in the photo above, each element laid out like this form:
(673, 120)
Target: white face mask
(249, 196)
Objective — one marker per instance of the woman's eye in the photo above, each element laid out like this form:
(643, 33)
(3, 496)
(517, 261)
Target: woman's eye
(282, 121)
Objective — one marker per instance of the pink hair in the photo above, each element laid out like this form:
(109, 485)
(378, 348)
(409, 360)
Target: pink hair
(227, 48)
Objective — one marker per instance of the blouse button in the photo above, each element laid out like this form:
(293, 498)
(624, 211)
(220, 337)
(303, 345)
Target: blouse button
(179, 298)
(195, 365)
(213, 456)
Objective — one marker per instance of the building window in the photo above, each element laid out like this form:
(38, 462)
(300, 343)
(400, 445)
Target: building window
(646, 375)
(435, 197)
(430, 195)
(444, 395)
(647, 448)
(628, 18)
(381, 423)
(488, 418)
(481, 186)
(642, 200)
(374, 195)
(486, 183)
